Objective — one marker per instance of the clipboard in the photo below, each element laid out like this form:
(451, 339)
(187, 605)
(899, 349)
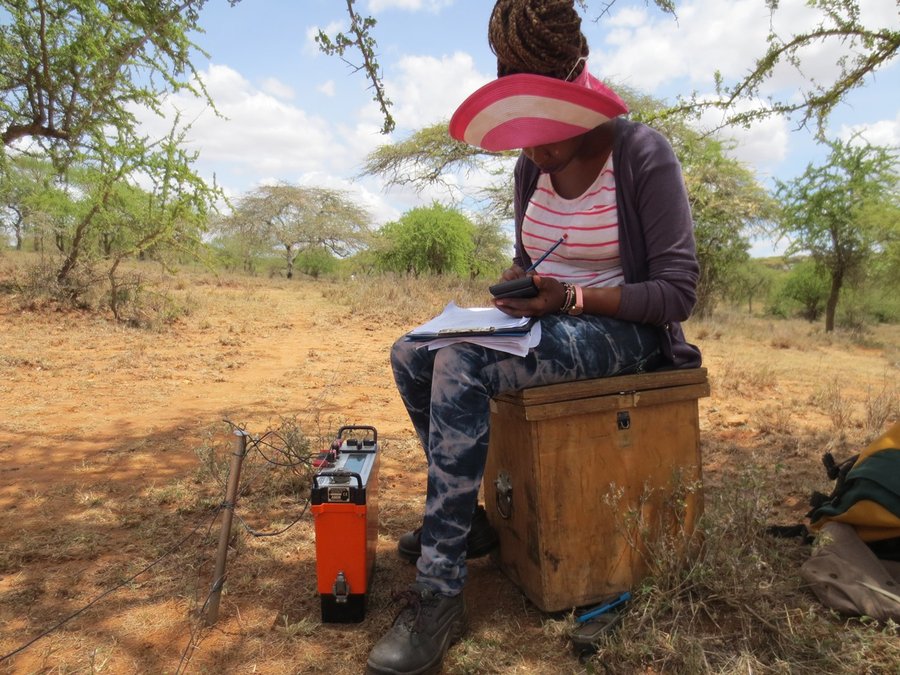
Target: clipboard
(482, 322)
(482, 331)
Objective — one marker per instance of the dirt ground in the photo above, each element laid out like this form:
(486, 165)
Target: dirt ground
(99, 424)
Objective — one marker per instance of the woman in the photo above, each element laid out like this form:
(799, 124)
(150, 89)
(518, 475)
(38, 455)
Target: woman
(609, 298)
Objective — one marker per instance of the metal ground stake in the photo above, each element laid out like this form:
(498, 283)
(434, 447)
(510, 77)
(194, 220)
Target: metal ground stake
(234, 475)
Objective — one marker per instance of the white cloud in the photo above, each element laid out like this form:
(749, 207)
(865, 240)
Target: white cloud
(763, 146)
(647, 49)
(426, 90)
(277, 88)
(885, 133)
(328, 88)
(376, 6)
(255, 134)
(767, 248)
(371, 200)
(656, 53)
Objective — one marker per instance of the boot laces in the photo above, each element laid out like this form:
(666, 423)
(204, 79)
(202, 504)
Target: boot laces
(415, 607)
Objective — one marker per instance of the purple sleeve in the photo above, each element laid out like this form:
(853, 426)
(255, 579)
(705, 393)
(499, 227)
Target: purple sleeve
(525, 177)
(659, 254)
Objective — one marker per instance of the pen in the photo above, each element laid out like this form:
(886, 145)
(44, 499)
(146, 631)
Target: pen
(550, 250)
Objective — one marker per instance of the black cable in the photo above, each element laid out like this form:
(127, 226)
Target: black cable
(109, 591)
(247, 483)
(196, 625)
(256, 443)
(261, 441)
(195, 628)
(272, 534)
(295, 460)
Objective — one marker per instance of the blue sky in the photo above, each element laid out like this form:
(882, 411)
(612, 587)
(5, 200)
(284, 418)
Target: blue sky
(294, 114)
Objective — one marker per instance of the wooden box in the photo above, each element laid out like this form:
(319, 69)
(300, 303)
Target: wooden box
(582, 477)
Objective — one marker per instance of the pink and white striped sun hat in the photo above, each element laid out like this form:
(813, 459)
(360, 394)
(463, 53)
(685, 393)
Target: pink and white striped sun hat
(524, 110)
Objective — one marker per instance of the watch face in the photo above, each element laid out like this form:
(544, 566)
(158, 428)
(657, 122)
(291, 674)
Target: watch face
(575, 311)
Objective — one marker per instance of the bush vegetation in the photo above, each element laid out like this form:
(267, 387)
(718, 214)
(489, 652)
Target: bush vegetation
(736, 605)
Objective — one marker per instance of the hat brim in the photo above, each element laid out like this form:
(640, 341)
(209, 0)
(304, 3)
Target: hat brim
(524, 110)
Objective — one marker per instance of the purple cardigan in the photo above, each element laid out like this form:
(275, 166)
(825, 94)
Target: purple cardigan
(656, 235)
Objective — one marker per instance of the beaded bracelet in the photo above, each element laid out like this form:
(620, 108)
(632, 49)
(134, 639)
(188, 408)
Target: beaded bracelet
(569, 301)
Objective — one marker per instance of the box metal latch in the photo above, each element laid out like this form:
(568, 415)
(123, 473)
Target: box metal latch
(340, 589)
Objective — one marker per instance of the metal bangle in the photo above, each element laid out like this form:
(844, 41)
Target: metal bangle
(569, 301)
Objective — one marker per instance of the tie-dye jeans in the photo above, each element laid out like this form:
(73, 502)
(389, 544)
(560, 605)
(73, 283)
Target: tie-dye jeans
(447, 393)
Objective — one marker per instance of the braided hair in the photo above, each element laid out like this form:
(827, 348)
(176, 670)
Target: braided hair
(542, 37)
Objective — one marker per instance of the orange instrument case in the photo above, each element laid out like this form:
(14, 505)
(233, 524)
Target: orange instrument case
(345, 510)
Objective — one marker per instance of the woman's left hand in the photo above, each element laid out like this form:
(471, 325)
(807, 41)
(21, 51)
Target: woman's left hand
(549, 300)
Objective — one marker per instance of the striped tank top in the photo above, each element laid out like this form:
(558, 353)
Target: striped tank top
(590, 254)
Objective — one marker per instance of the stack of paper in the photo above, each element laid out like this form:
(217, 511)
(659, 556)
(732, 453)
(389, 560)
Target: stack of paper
(486, 326)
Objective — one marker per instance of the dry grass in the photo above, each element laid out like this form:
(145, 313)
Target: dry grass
(783, 393)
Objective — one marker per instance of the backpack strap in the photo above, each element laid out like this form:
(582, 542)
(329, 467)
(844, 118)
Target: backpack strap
(836, 472)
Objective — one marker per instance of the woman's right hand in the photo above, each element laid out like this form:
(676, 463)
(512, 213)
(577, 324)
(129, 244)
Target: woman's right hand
(549, 300)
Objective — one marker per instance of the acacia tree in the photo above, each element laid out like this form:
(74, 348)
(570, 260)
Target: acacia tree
(74, 72)
(491, 249)
(859, 50)
(836, 212)
(26, 185)
(807, 285)
(749, 280)
(240, 241)
(727, 204)
(172, 211)
(70, 68)
(298, 218)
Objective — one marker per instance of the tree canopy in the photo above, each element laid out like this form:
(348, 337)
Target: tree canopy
(434, 239)
(728, 205)
(297, 218)
(71, 69)
(842, 211)
(73, 74)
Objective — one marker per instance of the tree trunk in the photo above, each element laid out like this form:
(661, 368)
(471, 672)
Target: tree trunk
(290, 261)
(114, 289)
(71, 259)
(706, 299)
(837, 280)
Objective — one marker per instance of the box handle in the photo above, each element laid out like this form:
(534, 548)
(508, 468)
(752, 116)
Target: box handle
(504, 495)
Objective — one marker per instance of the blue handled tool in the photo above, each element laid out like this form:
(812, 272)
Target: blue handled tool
(602, 609)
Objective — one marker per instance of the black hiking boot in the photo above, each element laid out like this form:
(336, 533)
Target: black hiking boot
(422, 632)
(482, 539)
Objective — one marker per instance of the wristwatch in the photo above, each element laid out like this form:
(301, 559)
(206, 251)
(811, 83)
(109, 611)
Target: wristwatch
(578, 307)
